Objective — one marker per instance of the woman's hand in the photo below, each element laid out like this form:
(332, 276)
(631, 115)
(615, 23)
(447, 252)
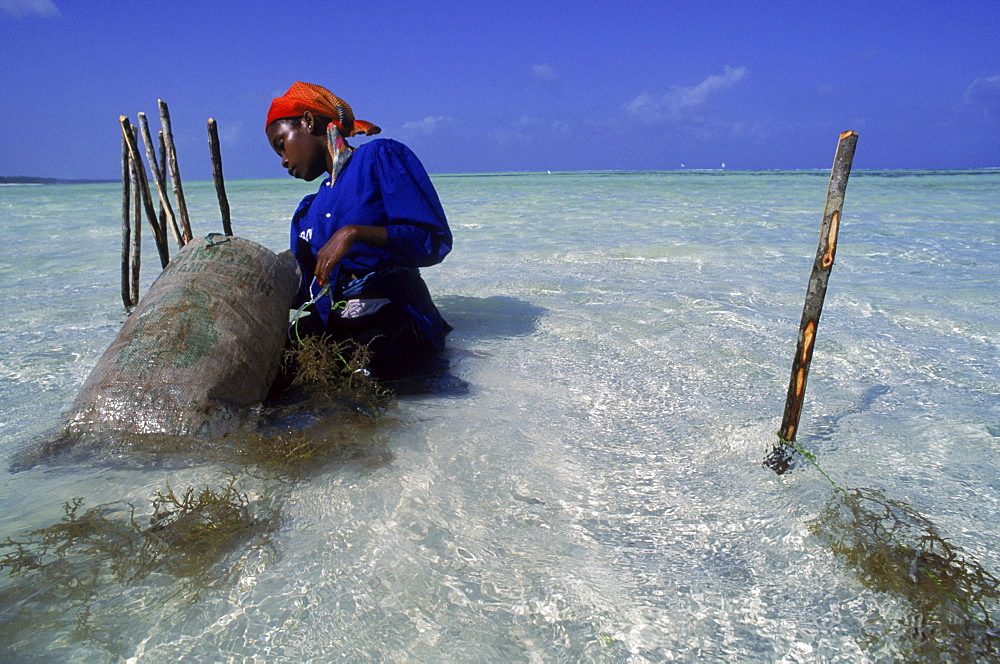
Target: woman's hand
(332, 252)
(337, 247)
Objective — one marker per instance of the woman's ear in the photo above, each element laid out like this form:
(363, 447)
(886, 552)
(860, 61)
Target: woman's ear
(308, 120)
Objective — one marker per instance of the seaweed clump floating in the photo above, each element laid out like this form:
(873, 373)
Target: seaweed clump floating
(949, 600)
(184, 536)
(64, 570)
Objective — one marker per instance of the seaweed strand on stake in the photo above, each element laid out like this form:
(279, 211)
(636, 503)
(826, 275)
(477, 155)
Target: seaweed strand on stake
(175, 173)
(161, 185)
(126, 226)
(220, 185)
(779, 459)
(133, 150)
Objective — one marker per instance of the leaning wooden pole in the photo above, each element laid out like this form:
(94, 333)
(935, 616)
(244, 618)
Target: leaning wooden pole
(175, 173)
(220, 185)
(779, 458)
(158, 178)
(133, 150)
(126, 225)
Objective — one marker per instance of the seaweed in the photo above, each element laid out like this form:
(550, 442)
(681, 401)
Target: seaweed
(69, 570)
(339, 367)
(949, 601)
(290, 450)
(327, 408)
(187, 534)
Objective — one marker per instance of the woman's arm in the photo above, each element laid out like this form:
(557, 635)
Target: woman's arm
(341, 242)
(417, 229)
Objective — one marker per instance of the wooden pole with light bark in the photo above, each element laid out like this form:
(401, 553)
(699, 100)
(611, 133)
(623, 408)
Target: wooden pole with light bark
(779, 459)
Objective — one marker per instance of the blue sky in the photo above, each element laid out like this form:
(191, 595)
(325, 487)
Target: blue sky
(512, 86)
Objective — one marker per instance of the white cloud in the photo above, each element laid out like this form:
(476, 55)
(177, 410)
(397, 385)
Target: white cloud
(982, 97)
(680, 100)
(45, 8)
(231, 133)
(826, 92)
(427, 126)
(528, 128)
(547, 75)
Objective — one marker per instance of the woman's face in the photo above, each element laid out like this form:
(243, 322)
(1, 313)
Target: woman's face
(303, 154)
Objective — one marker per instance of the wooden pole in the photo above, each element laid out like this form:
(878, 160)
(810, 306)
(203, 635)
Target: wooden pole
(163, 175)
(137, 232)
(779, 459)
(158, 179)
(133, 150)
(126, 225)
(175, 173)
(220, 185)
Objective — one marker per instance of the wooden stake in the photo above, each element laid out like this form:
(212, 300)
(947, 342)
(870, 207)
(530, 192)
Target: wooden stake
(158, 179)
(137, 231)
(163, 175)
(220, 185)
(133, 150)
(175, 173)
(126, 225)
(779, 459)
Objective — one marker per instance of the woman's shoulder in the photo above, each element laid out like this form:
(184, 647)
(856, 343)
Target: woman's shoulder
(304, 205)
(389, 159)
(382, 147)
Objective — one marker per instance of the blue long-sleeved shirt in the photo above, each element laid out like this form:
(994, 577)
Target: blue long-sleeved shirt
(383, 184)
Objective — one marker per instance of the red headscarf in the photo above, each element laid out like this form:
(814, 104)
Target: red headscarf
(302, 97)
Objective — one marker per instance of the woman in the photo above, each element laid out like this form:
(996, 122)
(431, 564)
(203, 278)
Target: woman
(362, 237)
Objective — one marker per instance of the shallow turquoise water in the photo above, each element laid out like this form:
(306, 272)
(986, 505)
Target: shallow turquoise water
(597, 494)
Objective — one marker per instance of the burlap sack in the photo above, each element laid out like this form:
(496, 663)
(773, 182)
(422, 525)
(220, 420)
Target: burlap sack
(200, 349)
